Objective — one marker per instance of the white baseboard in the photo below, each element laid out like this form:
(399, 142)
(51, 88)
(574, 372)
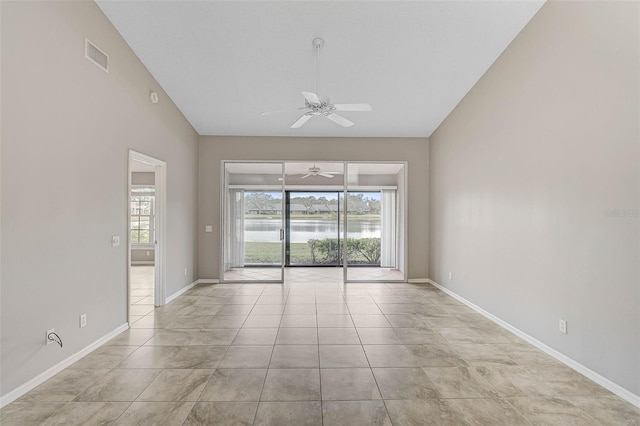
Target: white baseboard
(142, 262)
(49, 373)
(418, 280)
(180, 292)
(186, 288)
(570, 362)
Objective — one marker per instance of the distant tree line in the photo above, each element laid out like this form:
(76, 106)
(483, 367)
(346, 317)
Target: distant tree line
(358, 202)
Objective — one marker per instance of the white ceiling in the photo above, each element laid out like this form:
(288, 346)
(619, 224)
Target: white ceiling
(225, 62)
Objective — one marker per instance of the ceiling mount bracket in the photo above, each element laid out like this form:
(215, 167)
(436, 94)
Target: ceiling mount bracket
(318, 42)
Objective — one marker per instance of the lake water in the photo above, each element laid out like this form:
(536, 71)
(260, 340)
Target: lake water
(302, 230)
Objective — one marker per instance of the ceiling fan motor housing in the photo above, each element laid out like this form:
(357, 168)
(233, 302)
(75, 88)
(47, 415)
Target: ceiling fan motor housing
(323, 106)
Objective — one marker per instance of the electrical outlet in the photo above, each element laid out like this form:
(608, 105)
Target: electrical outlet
(208, 228)
(83, 320)
(115, 241)
(562, 326)
(450, 275)
(46, 336)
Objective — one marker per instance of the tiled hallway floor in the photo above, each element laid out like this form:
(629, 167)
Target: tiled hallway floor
(317, 354)
(141, 297)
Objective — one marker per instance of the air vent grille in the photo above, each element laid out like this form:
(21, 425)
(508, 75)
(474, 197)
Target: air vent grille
(95, 55)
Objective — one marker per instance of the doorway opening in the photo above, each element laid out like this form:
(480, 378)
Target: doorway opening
(145, 213)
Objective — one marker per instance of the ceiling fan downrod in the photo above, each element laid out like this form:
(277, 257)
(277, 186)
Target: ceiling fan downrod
(317, 43)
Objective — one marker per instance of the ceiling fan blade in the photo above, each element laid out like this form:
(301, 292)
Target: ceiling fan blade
(352, 107)
(327, 175)
(305, 176)
(312, 98)
(272, 112)
(300, 121)
(340, 120)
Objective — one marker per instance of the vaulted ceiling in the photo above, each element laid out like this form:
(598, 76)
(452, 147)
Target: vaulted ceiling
(225, 62)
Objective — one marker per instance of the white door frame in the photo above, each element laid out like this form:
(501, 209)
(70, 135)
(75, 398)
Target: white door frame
(160, 225)
(223, 217)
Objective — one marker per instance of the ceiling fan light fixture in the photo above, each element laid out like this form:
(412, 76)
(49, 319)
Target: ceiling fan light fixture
(323, 106)
(317, 42)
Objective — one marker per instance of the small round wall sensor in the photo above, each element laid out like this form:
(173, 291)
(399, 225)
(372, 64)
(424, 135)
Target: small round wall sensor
(317, 42)
(154, 97)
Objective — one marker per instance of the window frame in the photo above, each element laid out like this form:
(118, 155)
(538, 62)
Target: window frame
(152, 216)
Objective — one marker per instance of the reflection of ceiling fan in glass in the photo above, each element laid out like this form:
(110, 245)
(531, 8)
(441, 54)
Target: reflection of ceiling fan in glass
(316, 171)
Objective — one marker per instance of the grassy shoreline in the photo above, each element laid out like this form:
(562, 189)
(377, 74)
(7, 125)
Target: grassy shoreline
(271, 253)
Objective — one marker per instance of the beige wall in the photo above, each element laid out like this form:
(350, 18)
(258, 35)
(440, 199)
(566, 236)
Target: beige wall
(523, 173)
(214, 149)
(143, 178)
(142, 256)
(66, 130)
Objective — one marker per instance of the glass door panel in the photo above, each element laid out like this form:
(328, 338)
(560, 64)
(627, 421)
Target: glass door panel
(253, 222)
(374, 244)
(313, 224)
(313, 228)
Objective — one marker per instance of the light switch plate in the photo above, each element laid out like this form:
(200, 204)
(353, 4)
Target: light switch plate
(562, 326)
(115, 241)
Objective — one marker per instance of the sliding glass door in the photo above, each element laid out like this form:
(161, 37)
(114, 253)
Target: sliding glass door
(253, 222)
(374, 222)
(313, 236)
(306, 214)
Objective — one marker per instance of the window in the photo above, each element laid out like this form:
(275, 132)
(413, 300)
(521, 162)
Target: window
(142, 215)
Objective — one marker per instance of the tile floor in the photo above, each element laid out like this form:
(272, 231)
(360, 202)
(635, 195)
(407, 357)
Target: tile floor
(142, 295)
(317, 354)
(313, 275)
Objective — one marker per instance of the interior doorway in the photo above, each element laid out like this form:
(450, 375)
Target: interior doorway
(146, 201)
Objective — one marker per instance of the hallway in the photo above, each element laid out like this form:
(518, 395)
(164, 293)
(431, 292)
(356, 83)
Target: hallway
(141, 300)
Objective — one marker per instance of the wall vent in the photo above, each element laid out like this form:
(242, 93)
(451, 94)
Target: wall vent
(95, 55)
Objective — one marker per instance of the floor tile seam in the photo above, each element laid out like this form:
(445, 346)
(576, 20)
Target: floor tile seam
(267, 371)
(123, 411)
(255, 412)
(582, 411)
(319, 371)
(520, 412)
(203, 387)
(352, 400)
(141, 392)
(288, 400)
(375, 379)
(117, 366)
(53, 413)
(453, 411)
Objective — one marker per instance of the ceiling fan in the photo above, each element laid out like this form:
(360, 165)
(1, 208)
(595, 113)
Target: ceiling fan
(316, 171)
(316, 105)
